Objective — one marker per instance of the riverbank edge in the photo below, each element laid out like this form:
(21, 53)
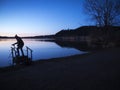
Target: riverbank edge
(60, 59)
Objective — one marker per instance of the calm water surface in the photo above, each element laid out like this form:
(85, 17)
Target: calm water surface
(41, 50)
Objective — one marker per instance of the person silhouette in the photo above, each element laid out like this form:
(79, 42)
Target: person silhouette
(20, 45)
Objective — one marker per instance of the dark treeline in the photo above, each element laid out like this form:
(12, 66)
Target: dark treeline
(81, 31)
(43, 36)
(27, 37)
(92, 31)
(93, 35)
(89, 30)
(4, 37)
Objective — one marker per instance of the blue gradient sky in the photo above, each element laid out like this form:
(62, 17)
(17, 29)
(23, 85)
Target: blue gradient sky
(40, 17)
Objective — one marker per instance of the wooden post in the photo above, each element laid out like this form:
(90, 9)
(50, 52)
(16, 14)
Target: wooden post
(15, 52)
(12, 52)
(29, 50)
(31, 54)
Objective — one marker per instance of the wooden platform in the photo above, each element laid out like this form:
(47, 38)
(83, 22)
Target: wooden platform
(22, 60)
(27, 59)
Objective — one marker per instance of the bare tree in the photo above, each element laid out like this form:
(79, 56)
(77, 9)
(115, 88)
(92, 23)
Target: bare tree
(104, 12)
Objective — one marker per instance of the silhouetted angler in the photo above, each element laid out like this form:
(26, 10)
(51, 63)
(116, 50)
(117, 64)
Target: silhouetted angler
(20, 45)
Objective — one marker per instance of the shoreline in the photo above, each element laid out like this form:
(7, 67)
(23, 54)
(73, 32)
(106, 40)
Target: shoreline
(40, 61)
(59, 59)
(99, 70)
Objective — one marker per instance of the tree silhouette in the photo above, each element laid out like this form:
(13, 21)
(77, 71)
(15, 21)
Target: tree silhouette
(104, 12)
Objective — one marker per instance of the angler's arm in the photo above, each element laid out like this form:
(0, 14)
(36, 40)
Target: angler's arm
(14, 43)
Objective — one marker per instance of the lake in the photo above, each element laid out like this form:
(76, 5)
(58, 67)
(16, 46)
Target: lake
(41, 50)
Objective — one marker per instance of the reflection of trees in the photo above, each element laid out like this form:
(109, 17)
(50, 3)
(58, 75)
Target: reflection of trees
(43, 39)
(83, 46)
(4, 39)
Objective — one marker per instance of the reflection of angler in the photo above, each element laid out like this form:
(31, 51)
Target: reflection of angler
(20, 45)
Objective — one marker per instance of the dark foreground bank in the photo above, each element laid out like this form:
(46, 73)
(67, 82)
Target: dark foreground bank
(96, 71)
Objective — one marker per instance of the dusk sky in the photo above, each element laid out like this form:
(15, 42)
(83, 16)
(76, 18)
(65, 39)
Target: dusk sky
(40, 17)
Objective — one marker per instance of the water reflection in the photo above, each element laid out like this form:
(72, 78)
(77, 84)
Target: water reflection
(41, 49)
(76, 45)
(82, 46)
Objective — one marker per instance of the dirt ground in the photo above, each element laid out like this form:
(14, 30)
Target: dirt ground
(96, 71)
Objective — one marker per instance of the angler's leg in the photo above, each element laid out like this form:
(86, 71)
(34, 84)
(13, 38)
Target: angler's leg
(18, 53)
(22, 51)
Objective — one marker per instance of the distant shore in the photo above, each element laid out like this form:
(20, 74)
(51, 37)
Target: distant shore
(93, 71)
